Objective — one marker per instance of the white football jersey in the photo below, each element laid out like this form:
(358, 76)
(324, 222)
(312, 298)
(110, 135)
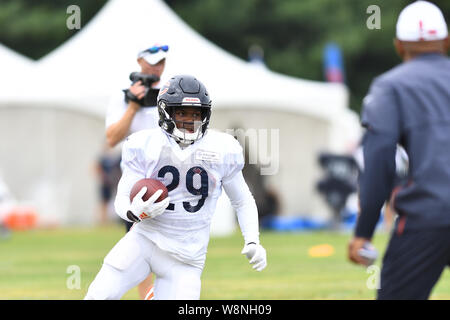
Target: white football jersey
(193, 177)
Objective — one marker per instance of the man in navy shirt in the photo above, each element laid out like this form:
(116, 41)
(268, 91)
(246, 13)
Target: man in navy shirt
(410, 106)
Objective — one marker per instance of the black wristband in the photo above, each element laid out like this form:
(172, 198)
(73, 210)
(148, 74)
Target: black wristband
(132, 217)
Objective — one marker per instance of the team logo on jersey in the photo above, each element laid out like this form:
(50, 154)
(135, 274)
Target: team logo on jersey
(207, 156)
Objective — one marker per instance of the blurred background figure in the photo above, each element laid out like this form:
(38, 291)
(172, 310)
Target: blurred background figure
(401, 179)
(338, 183)
(267, 199)
(109, 173)
(408, 105)
(135, 109)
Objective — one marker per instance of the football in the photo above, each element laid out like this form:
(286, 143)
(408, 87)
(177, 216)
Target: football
(152, 185)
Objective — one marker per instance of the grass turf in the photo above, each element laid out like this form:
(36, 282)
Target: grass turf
(36, 265)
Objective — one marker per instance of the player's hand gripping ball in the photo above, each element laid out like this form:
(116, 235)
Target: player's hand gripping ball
(149, 198)
(152, 185)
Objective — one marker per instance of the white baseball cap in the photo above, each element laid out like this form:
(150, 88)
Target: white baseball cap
(154, 54)
(421, 21)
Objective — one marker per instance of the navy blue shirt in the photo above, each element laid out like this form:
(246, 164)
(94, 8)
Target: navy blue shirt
(408, 105)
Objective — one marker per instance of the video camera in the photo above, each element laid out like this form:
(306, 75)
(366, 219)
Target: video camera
(151, 94)
(146, 79)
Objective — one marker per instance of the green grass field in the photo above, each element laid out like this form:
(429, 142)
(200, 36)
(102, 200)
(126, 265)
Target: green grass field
(34, 265)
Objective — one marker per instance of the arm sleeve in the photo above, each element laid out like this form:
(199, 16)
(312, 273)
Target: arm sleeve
(243, 202)
(233, 160)
(381, 119)
(133, 169)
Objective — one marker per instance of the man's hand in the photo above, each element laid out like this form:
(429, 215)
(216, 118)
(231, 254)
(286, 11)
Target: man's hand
(256, 255)
(141, 209)
(138, 89)
(354, 246)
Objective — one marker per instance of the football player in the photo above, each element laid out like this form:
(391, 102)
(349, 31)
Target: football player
(170, 239)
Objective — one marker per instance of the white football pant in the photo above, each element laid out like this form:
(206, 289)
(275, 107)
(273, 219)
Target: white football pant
(132, 259)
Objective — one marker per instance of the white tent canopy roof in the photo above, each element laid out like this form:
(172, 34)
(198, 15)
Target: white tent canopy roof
(14, 69)
(12, 60)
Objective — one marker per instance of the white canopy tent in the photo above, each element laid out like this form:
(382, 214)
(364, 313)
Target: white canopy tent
(15, 68)
(60, 114)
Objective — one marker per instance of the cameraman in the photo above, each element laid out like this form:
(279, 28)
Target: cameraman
(127, 111)
(135, 109)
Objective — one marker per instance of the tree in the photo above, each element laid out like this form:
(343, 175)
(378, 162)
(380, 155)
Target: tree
(34, 28)
(294, 33)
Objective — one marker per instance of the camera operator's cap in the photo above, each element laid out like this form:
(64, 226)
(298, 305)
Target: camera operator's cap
(154, 54)
(421, 21)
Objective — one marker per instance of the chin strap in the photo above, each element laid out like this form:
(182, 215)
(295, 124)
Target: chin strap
(176, 134)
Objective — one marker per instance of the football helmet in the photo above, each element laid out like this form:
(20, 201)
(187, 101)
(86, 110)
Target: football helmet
(183, 91)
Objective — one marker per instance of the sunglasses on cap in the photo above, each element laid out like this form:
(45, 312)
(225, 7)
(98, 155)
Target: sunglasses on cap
(155, 49)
